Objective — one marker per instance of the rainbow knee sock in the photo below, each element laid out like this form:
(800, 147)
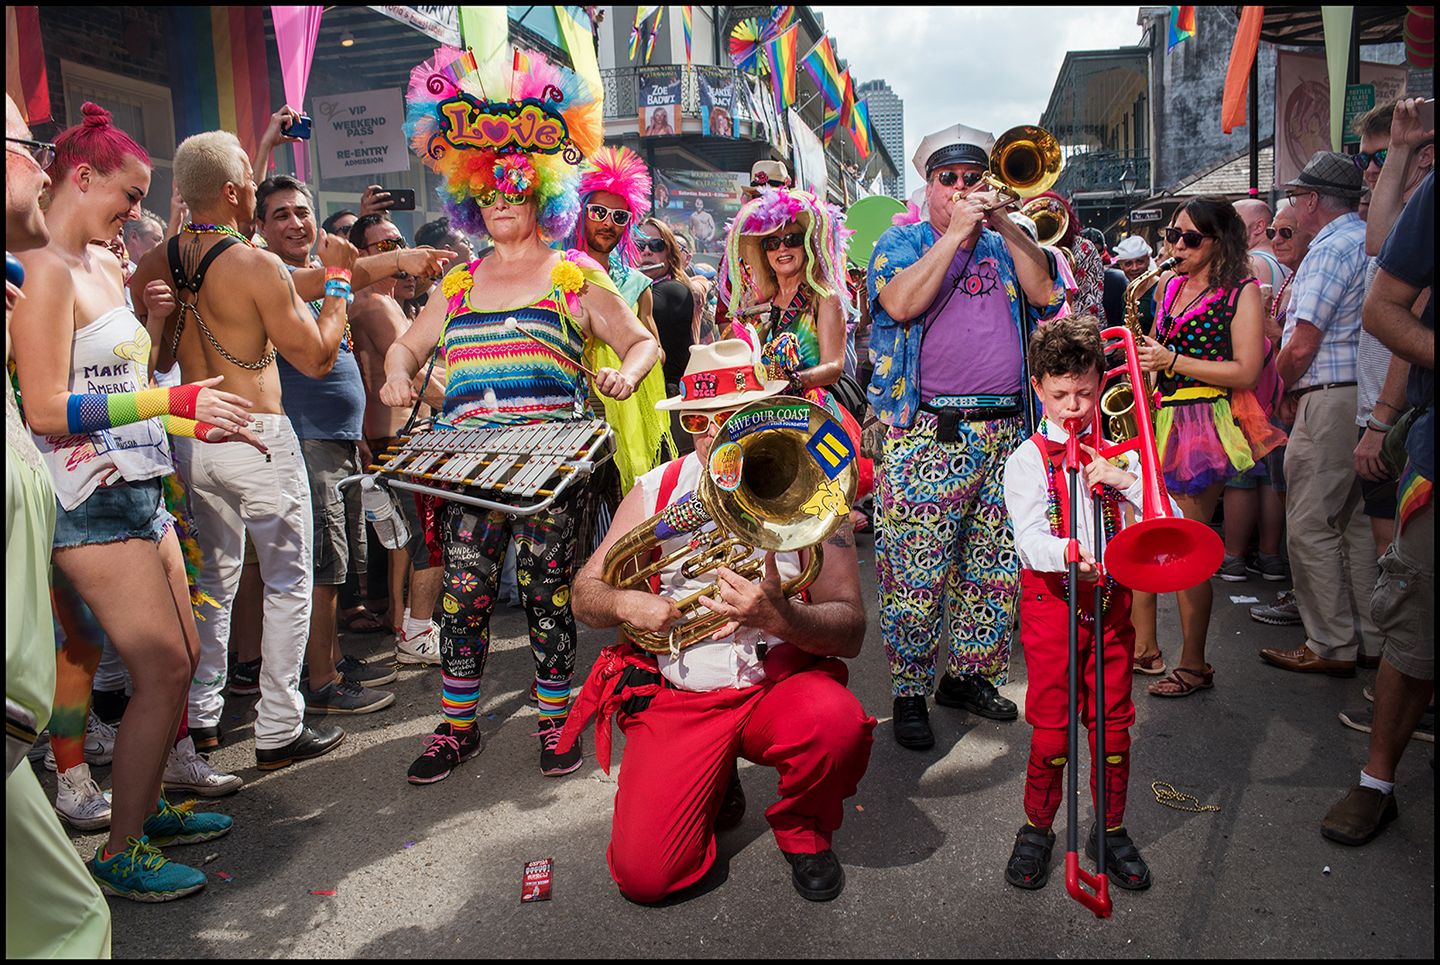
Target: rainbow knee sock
(554, 694)
(459, 701)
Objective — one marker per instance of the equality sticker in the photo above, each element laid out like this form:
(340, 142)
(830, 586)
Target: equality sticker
(831, 449)
(773, 417)
(725, 464)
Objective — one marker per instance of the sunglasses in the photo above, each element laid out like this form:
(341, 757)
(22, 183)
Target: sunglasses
(489, 197)
(343, 232)
(697, 423)
(969, 178)
(794, 239)
(1192, 239)
(1286, 233)
(388, 244)
(41, 152)
(656, 245)
(1362, 160)
(598, 213)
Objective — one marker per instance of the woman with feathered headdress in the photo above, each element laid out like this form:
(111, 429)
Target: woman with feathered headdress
(507, 141)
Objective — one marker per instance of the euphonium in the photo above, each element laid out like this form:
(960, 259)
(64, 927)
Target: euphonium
(781, 477)
(1117, 404)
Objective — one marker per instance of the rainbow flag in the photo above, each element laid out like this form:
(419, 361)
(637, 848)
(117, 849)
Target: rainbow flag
(687, 17)
(781, 53)
(1414, 492)
(25, 77)
(829, 125)
(823, 69)
(847, 99)
(860, 128)
(222, 74)
(1182, 26)
(641, 15)
(654, 32)
(779, 21)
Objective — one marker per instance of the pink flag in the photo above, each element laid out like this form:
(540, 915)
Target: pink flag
(297, 29)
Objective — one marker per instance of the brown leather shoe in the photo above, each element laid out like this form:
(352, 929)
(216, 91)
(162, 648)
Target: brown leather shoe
(1359, 816)
(1304, 660)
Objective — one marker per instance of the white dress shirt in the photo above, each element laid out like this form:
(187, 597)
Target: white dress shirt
(1027, 499)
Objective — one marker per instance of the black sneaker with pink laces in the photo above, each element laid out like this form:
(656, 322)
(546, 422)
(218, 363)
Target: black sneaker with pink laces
(444, 752)
(553, 763)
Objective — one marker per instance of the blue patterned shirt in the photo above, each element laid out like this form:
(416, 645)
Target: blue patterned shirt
(894, 390)
(1328, 292)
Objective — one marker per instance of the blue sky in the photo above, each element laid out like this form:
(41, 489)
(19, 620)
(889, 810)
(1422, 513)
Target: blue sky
(989, 67)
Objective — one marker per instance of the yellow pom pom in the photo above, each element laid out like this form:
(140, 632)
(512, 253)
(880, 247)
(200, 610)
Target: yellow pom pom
(456, 282)
(568, 277)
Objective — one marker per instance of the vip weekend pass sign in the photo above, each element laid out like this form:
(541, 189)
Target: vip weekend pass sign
(361, 134)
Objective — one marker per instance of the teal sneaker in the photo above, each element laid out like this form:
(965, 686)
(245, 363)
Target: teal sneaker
(142, 873)
(179, 824)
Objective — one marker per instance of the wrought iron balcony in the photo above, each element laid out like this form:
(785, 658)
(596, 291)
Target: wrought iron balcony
(621, 88)
(1102, 171)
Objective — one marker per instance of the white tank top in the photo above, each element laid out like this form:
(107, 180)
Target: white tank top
(109, 355)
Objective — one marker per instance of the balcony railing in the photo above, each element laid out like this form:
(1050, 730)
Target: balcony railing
(622, 85)
(1102, 171)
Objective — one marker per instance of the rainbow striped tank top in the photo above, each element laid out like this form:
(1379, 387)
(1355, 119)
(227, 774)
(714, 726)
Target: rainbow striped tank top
(499, 376)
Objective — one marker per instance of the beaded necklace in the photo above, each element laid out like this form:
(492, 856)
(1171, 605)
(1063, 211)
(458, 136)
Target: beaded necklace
(1275, 311)
(1110, 516)
(215, 229)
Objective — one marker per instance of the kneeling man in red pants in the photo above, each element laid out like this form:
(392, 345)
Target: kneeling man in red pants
(767, 686)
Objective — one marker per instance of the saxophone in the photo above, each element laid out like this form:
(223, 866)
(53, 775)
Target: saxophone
(1117, 405)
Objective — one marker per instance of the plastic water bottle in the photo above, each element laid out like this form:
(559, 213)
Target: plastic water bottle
(390, 526)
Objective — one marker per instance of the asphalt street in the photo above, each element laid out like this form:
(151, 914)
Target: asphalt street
(435, 871)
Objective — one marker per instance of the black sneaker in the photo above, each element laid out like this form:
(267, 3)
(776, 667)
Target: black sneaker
(552, 762)
(443, 753)
(1029, 865)
(311, 742)
(109, 705)
(364, 673)
(818, 877)
(911, 724)
(1123, 862)
(345, 696)
(732, 808)
(977, 695)
(245, 679)
(206, 739)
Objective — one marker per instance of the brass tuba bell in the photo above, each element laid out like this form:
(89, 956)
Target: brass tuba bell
(1024, 162)
(781, 477)
(1051, 221)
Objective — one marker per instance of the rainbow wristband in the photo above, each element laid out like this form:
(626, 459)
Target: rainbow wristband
(93, 411)
(335, 271)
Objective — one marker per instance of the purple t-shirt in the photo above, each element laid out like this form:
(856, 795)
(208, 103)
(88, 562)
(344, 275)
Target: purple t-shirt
(971, 347)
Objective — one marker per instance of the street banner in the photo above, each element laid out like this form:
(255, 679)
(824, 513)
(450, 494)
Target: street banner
(361, 134)
(1302, 106)
(700, 202)
(441, 24)
(659, 100)
(808, 155)
(717, 102)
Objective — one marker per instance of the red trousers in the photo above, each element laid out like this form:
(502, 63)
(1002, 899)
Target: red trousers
(679, 752)
(1045, 638)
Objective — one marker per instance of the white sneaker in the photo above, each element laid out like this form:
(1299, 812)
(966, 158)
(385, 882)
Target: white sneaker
(421, 648)
(188, 771)
(79, 800)
(99, 744)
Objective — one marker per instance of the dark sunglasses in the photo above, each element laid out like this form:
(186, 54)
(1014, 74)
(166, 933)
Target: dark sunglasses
(1286, 233)
(970, 178)
(388, 244)
(656, 245)
(343, 232)
(1192, 239)
(598, 213)
(794, 239)
(489, 197)
(696, 423)
(1362, 160)
(41, 152)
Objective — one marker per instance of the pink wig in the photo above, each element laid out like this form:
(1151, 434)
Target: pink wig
(619, 171)
(96, 142)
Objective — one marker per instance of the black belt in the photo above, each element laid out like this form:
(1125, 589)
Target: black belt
(982, 414)
(1316, 388)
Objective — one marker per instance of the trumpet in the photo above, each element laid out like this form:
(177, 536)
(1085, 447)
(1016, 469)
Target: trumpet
(1025, 161)
(764, 489)
(1118, 402)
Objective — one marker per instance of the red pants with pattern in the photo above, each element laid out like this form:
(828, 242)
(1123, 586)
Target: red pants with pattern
(1045, 637)
(678, 757)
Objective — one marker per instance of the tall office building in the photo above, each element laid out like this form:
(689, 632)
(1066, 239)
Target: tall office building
(887, 115)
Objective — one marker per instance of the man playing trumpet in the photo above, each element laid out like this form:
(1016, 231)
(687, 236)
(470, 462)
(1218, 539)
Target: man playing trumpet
(768, 685)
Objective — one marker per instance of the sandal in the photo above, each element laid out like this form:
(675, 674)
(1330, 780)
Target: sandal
(1152, 664)
(1180, 687)
(361, 620)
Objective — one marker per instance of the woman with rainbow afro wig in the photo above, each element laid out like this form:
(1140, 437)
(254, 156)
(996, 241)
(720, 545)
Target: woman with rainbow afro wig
(508, 138)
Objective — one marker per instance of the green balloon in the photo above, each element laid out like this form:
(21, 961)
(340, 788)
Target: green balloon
(868, 218)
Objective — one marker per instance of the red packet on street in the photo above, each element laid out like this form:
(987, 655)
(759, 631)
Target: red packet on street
(535, 885)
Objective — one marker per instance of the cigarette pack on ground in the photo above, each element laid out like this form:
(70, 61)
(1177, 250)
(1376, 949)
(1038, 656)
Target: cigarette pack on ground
(535, 885)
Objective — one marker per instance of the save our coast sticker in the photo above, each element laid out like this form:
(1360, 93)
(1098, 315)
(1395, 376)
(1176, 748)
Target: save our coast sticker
(772, 417)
